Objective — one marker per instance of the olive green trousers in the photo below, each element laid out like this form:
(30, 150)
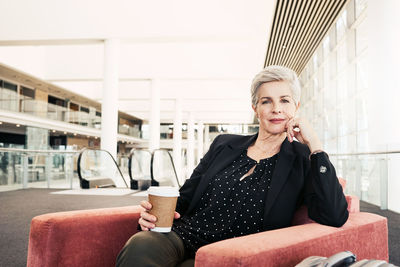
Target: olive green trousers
(151, 249)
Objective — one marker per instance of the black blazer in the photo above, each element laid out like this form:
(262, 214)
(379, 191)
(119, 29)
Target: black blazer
(295, 180)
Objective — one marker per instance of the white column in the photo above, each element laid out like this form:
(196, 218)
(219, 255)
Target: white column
(200, 141)
(206, 138)
(190, 144)
(154, 121)
(109, 104)
(177, 139)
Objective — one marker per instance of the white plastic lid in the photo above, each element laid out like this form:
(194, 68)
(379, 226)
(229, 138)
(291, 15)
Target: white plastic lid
(163, 191)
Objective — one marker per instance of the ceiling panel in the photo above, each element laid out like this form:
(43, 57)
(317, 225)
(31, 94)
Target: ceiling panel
(298, 28)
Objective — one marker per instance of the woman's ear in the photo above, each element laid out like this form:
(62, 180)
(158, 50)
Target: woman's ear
(255, 111)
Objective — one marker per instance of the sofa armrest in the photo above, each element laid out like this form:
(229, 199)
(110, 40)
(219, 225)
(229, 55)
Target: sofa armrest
(81, 238)
(364, 234)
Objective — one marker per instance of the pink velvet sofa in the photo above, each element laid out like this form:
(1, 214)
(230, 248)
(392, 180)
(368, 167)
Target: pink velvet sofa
(94, 238)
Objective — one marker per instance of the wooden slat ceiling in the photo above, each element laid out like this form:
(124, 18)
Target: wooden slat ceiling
(298, 28)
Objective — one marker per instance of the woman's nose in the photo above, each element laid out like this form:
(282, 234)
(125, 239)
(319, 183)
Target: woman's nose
(276, 108)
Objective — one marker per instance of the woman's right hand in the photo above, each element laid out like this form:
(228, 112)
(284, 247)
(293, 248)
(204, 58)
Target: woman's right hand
(147, 221)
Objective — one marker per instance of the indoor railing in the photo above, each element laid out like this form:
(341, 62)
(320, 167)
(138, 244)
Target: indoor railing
(367, 174)
(9, 101)
(23, 168)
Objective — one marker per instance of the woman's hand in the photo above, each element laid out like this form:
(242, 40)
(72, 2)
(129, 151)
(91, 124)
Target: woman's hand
(302, 130)
(147, 221)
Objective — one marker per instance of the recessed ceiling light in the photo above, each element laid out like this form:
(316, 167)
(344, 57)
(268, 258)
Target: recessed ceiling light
(65, 132)
(74, 134)
(18, 125)
(53, 131)
(1, 122)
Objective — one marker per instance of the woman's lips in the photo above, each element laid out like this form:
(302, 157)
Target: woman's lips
(277, 121)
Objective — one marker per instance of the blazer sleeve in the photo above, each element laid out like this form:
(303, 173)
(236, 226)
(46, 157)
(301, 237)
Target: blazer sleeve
(190, 185)
(323, 194)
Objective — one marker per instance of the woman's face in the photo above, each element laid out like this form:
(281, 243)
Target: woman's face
(275, 106)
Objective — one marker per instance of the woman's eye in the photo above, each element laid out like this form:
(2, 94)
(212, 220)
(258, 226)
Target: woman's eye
(265, 102)
(285, 101)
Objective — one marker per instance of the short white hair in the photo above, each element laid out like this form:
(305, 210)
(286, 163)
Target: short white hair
(276, 73)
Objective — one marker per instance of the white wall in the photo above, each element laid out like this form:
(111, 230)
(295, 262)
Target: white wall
(384, 73)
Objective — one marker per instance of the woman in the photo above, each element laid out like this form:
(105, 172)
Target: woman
(247, 184)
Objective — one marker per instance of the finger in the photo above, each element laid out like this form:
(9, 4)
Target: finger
(146, 224)
(288, 135)
(290, 130)
(144, 228)
(295, 125)
(147, 216)
(299, 137)
(145, 204)
(177, 215)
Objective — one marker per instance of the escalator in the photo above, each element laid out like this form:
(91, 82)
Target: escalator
(98, 169)
(154, 168)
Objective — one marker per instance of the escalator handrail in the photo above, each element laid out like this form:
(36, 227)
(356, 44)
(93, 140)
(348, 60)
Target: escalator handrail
(151, 162)
(172, 162)
(115, 162)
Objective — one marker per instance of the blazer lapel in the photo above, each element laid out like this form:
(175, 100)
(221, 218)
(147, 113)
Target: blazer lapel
(282, 169)
(227, 155)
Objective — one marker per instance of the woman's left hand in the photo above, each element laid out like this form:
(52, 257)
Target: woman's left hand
(301, 129)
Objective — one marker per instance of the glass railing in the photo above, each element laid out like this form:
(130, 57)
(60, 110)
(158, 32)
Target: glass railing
(367, 174)
(24, 168)
(9, 101)
(129, 130)
(98, 169)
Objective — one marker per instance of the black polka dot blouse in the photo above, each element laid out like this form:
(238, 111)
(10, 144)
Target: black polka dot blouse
(232, 205)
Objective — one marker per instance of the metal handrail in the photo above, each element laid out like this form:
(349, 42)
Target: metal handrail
(132, 152)
(172, 162)
(4, 149)
(366, 153)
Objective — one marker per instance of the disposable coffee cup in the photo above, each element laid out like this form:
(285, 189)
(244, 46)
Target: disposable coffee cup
(163, 200)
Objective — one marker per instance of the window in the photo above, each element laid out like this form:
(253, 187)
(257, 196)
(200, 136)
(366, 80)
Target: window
(85, 109)
(335, 84)
(56, 101)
